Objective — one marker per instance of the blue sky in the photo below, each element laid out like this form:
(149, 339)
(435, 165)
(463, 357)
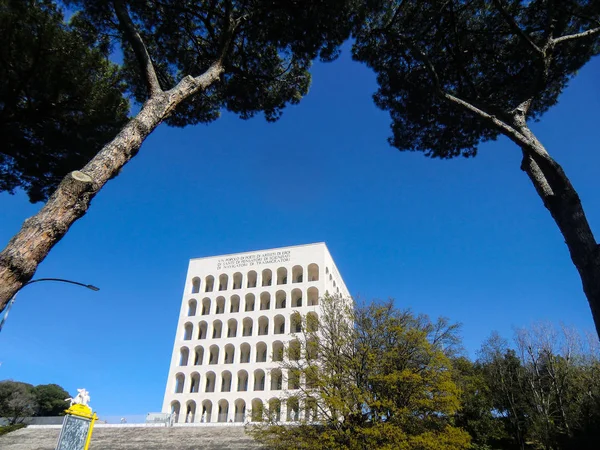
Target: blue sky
(466, 239)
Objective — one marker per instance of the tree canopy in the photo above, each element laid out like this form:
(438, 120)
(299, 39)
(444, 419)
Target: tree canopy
(376, 377)
(50, 399)
(61, 99)
(265, 48)
(455, 73)
(439, 62)
(19, 400)
(380, 377)
(184, 62)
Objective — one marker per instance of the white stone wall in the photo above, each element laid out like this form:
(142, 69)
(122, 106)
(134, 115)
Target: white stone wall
(197, 330)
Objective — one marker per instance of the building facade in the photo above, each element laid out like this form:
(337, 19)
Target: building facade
(236, 318)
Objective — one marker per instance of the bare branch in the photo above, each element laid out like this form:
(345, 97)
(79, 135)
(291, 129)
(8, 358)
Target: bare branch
(512, 23)
(139, 48)
(572, 37)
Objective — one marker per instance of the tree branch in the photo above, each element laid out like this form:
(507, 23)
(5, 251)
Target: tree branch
(572, 37)
(139, 48)
(510, 20)
(505, 128)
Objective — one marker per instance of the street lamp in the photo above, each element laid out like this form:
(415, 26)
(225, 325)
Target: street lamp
(60, 280)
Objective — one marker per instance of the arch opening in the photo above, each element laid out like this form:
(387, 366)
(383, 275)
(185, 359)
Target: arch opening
(209, 283)
(297, 274)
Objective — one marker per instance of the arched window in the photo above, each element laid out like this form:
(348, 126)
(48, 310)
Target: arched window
(210, 382)
(217, 328)
(175, 407)
(237, 280)
(190, 411)
(206, 306)
(312, 349)
(198, 355)
(297, 274)
(277, 351)
(310, 410)
(263, 326)
(280, 300)
(240, 410)
(247, 327)
(313, 272)
(294, 350)
(259, 380)
(229, 354)
(214, 355)
(267, 277)
(312, 322)
(252, 277)
(232, 328)
(279, 322)
(202, 330)
(209, 283)
(226, 381)
(296, 298)
(296, 322)
(249, 302)
(275, 410)
(293, 410)
(261, 352)
(188, 329)
(276, 380)
(257, 410)
(223, 281)
(282, 275)
(235, 304)
(293, 379)
(195, 285)
(179, 382)
(245, 353)
(220, 305)
(192, 307)
(242, 381)
(195, 383)
(313, 296)
(206, 411)
(223, 410)
(265, 301)
(184, 354)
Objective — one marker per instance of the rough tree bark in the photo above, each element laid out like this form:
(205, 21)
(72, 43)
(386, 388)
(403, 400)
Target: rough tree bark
(71, 200)
(561, 199)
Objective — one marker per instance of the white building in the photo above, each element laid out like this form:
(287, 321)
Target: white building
(234, 322)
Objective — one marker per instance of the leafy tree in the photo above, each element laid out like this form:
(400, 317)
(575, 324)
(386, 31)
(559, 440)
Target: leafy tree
(16, 401)
(374, 377)
(455, 73)
(184, 62)
(476, 414)
(505, 379)
(60, 98)
(544, 391)
(50, 399)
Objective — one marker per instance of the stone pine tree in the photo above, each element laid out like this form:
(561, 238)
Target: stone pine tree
(455, 73)
(61, 99)
(184, 62)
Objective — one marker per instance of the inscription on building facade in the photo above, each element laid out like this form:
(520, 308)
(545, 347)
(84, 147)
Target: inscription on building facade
(256, 259)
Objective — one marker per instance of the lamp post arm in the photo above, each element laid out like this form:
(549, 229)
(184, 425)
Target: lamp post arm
(60, 280)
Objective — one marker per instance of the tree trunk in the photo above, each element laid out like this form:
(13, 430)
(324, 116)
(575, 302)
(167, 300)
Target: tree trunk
(561, 199)
(71, 200)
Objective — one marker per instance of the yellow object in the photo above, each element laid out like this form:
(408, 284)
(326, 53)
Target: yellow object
(84, 411)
